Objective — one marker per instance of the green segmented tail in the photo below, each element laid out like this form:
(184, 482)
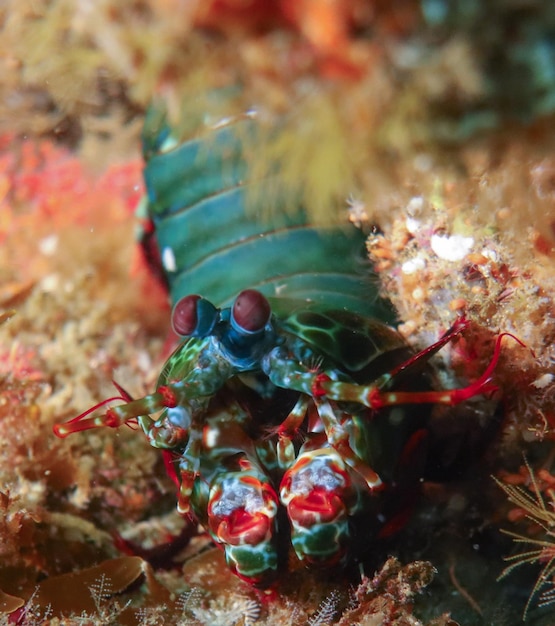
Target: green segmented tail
(213, 243)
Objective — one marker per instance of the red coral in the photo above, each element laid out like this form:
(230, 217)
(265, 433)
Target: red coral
(41, 181)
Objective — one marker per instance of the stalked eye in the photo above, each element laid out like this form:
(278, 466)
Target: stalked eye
(193, 316)
(251, 311)
(184, 315)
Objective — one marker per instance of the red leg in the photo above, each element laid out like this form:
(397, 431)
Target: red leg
(460, 325)
(374, 398)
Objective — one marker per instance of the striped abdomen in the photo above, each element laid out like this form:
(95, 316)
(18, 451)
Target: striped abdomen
(218, 235)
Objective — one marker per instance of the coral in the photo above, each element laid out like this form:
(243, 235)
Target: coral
(534, 499)
(444, 257)
(388, 597)
(326, 612)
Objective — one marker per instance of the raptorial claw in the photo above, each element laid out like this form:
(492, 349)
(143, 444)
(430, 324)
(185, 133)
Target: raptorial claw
(242, 510)
(318, 494)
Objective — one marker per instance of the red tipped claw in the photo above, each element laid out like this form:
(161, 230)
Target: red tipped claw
(78, 424)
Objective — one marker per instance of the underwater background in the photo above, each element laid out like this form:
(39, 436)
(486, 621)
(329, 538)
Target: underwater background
(428, 125)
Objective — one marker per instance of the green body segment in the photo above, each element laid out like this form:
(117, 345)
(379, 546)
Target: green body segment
(321, 544)
(233, 497)
(319, 497)
(217, 235)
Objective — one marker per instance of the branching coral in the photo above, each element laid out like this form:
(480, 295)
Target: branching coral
(534, 498)
(387, 598)
(465, 245)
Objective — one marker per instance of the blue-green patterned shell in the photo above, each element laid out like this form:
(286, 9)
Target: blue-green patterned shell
(217, 235)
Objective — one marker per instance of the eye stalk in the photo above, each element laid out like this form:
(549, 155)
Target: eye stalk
(194, 316)
(242, 333)
(248, 333)
(250, 313)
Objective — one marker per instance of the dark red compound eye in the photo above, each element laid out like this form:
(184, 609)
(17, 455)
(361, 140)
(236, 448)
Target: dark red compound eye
(251, 311)
(184, 315)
